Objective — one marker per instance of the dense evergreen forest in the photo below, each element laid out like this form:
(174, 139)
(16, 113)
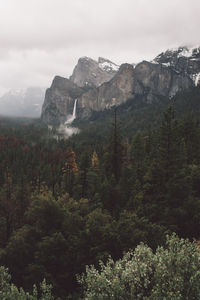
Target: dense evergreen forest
(131, 175)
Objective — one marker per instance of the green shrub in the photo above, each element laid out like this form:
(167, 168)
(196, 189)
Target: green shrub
(9, 291)
(173, 272)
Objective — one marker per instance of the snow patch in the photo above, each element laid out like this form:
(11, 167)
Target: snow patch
(195, 59)
(154, 62)
(188, 51)
(196, 78)
(185, 52)
(108, 66)
(166, 64)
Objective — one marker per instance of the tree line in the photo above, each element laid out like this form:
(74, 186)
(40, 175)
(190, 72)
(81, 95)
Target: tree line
(65, 205)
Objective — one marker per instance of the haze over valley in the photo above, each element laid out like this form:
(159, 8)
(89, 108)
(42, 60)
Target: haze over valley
(99, 150)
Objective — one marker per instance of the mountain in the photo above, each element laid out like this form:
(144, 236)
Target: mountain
(136, 115)
(22, 102)
(146, 79)
(170, 72)
(91, 73)
(182, 60)
(88, 75)
(59, 100)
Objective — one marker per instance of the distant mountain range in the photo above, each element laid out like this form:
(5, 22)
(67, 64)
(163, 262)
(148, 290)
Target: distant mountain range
(22, 102)
(102, 84)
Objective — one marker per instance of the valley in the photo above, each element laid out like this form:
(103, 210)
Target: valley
(130, 174)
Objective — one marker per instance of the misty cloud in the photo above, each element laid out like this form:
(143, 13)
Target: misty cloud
(43, 38)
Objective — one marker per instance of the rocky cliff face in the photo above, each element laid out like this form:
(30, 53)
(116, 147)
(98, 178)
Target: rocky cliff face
(183, 60)
(59, 100)
(114, 92)
(167, 74)
(91, 73)
(87, 76)
(146, 79)
(159, 80)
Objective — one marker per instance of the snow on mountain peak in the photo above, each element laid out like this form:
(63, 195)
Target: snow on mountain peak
(183, 51)
(187, 51)
(22, 102)
(107, 65)
(195, 78)
(18, 92)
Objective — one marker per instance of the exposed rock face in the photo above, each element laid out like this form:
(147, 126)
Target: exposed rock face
(147, 79)
(167, 74)
(59, 100)
(159, 80)
(183, 60)
(87, 75)
(114, 92)
(91, 73)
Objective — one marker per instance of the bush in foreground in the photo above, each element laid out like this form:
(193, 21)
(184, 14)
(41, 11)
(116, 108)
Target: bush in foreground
(9, 291)
(173, 272)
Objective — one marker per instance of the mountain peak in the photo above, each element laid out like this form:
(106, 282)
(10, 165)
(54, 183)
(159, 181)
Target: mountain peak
(107, 65)
(16, 92)
(91, 73)
(183, 51)
(103, 83)
(22, 102)
(85, 59)
(183, 60)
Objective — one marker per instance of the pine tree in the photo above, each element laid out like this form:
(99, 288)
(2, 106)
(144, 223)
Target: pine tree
(95, 161)
(114, 159)
(83, 174)
(138, 154)
(169, 144)
(69, 171)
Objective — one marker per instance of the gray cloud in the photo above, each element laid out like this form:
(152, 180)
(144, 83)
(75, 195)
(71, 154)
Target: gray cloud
(42, 38)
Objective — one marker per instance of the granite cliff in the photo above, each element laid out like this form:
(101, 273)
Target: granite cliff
(183, 60)
(91, 73)
(59, 100)
(169, 73)
(88, 74)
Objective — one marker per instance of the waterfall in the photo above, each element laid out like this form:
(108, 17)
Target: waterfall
(73, 116)
(67, 129)
(74, 110)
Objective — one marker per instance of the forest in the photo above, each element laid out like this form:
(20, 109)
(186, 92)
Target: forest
(132, 175)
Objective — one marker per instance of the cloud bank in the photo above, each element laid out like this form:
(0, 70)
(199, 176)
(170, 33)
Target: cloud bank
(43, 38)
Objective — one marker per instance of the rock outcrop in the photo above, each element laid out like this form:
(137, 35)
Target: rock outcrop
(91, 73)
(59, 100)
(146, 79)
(114, 92)
(159, 80)
(169, 73)
(87, 76)
(183, 60)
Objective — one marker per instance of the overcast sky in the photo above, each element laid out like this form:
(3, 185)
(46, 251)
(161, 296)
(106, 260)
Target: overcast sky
(43, 38)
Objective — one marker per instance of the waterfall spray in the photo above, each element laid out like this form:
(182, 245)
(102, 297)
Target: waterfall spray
(66, 129)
